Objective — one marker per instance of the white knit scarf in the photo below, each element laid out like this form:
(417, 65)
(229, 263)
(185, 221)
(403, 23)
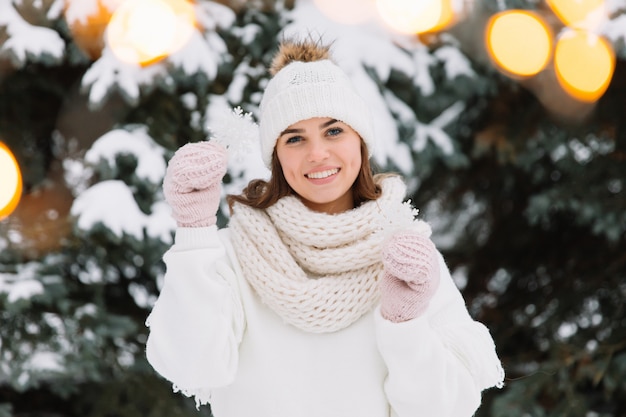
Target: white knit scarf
(317, 271)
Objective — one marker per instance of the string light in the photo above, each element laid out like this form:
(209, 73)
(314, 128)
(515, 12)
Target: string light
(582, 14)
(88, 29)
(410, 16)
(519, 42)
(11, 185)
(447, 16)
(347, 12)
(145, 31)
(584, 64)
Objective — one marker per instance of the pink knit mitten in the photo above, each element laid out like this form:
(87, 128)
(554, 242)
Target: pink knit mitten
(411, 276)
(192, 183)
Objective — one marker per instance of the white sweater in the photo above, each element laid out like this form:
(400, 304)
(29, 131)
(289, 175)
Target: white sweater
(212, 337)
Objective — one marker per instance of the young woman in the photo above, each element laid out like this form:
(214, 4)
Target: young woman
(324, 296)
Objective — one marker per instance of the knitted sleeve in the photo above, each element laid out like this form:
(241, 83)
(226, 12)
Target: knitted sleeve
(439, 363)
(197, 322)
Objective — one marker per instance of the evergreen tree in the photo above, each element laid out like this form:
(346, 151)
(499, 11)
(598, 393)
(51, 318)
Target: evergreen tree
(527, 204)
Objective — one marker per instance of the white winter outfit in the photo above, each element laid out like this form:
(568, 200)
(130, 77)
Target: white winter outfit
(277, 316)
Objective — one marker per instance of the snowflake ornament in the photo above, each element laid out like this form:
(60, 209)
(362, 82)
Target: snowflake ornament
(236, 131)
(401, 218)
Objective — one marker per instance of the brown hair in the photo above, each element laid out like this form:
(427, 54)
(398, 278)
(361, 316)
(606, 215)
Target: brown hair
(261, 194)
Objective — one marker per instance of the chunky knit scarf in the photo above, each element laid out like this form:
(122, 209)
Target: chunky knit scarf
(319, 272)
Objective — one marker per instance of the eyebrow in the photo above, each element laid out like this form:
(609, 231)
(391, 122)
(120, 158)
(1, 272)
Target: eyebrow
(322, 126)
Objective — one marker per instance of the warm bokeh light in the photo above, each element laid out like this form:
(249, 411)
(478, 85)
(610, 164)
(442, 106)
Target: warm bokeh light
(519, 42)
(587, 14)
(447, 16)
(10, 182)
(88, 30)
(347, 12)
(584, 64)
(145, 31)
(411, 16)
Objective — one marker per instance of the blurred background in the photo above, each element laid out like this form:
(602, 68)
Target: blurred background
(507, 119)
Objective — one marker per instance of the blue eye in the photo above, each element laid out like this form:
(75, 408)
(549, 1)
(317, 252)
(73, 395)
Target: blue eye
(294, 139)
(334, 131)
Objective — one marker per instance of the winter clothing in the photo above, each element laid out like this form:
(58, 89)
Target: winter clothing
(411, 276)
(218, 338)
(319, 273)
(192, 183)
(291, 312)
(303, 90)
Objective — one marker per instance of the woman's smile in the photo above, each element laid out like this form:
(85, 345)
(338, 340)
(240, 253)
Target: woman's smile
(320, 175)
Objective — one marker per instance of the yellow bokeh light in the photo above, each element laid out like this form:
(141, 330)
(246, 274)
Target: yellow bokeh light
(411, 16)
(584, 64)
(10, 182)
(519, 42)
(347, 12)
(88, 29)
(145, 31)
(446, 16)
(587, 14)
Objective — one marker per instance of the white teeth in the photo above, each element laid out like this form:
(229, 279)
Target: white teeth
(322, 174)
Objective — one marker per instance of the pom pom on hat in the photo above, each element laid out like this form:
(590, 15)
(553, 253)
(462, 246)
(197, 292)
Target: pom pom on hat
(292, 51)
(308, 84)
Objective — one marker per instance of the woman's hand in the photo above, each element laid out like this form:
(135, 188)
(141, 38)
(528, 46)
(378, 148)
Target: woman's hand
(411, 276)
(192, 183)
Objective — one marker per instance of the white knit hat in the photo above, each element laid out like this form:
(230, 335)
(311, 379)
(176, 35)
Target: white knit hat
(303, 90)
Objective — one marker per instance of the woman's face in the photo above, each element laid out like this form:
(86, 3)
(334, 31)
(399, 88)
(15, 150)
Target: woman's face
(321, 159)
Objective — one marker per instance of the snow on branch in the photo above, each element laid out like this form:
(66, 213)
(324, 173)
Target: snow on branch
(27, 42)
(112, 204)
(202, 54)
(212, 16)
(423, 60)
(455, 62)
(109, 74)
(150, 159)
(435, 130)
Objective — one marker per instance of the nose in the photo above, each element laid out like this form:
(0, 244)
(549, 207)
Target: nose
(318, 150)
